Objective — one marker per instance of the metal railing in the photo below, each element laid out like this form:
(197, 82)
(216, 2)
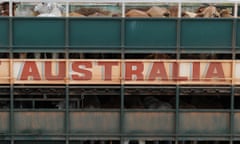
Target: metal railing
(124, 3)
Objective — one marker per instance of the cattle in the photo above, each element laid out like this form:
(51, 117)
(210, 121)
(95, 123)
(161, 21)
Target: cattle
(24, 11)
(151, 102)
(4, 9)
(226, 13)
(158, 12)
(204, 11)
(136, 13)
(55, 9)
(173, 11)
(158, 56)
(93, 12)
(188, 14)
(49, 9)
(76, 14)
(91, 102)
(208, 12)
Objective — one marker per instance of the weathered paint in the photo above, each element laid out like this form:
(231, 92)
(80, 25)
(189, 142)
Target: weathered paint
(39, 122)
(94, 122)
(136, 72)
(236, 128)
(150, 32)
(31, 32)
(149, 122)
(204, 122)
(134, 34)
(4, 122)
(206, 33)
(4, 34)
(85, 32)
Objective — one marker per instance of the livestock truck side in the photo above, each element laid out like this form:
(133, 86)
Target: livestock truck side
(119, 72)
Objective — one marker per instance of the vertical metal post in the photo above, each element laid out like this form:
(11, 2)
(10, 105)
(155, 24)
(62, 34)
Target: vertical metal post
(122, 110)
(123, 8)
(234, 35)
(177, 114)
(179, 30)
(66, 38)
(11, 114)
(235, 10)
(232, 115)
(178, 57)
(10, 8)
(67, 85)
(67, 9)
(234, 38)
(10, 32)
(179, 9)
(67, 113)
(122, 116)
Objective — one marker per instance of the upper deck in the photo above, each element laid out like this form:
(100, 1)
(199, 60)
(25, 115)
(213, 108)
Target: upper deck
(176, 33)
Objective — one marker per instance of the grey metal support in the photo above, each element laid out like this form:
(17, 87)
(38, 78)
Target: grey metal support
(177, 114)
(123, 22)
(10, 8)
(67, 86)
(235, 10)
(12, 126)
(232, 115)
(179, 9)
(122, 114)
(178, 56)
(178, 49)
(122, 110)
(234, 36)
(66, 38)
(10, 32)
(67, 114)
(11, 123)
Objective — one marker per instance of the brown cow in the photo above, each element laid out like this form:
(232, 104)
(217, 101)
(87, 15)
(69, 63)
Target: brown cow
(226, 13)
(188, 14)
(75, 14)
(208, 12)
(136, 13)
(158, 12)
(173, 11)
(4, 7)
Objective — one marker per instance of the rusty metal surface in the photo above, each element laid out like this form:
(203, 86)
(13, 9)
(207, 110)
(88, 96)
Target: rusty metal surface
(39, 122)
(94, 122)
(236, 127)
(204, 122)
(149, 122)
(4, 122)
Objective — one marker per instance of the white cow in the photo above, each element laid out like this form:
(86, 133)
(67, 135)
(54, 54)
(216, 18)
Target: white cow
(49, 9)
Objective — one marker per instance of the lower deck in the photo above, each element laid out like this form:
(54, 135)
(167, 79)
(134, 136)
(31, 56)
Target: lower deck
(73, 114)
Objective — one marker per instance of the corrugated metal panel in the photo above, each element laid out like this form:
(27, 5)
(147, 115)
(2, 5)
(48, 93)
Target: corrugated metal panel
(39, 32)
(4, 35)
(204, 122)
(39, 122)
(206, 33)
(238, 33)
(149, 122)
(4, 122)
(151, 32)
(94, 122)
(95, 32)
(236, 127)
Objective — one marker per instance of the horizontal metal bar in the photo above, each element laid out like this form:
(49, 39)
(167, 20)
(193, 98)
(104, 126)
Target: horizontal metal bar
(134, 1)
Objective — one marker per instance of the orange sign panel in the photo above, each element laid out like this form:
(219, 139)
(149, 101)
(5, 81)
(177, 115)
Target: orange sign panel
(135, 72)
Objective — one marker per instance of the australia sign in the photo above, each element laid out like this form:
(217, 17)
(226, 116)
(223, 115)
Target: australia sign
(137, 72)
